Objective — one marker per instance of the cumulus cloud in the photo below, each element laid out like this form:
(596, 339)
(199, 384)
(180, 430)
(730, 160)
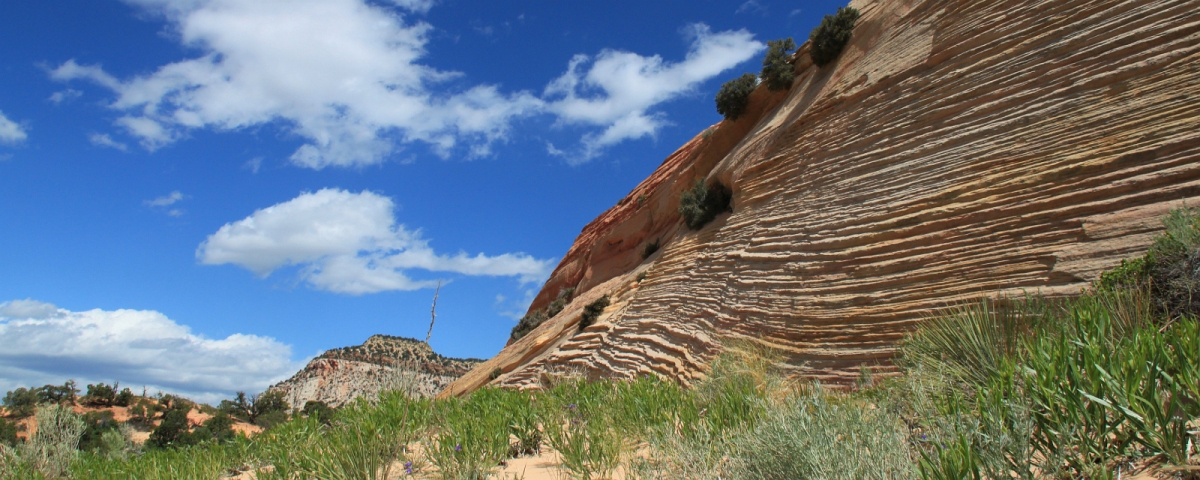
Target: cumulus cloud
(350, 243)
(10, 131)
(45, 344)
(618, 89)
(58, 98)
(103, 140)
(346, 77)
(342, 74)
(166, 200)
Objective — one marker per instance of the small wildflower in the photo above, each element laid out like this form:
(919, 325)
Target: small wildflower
(458, 448)
(571, 406)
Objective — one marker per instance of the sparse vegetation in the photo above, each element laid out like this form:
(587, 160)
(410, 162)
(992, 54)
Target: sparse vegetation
(265, 410)
(831, 36)
(592, 312)
(777, 72)
(701, 204)
(1010, 388)
(734, 96)
(535, 318)
(101, 395)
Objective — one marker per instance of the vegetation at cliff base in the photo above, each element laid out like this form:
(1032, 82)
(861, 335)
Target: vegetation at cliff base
(734, 96)
(830, 37)
(777, 72)
(702, 203)
(1104, 385)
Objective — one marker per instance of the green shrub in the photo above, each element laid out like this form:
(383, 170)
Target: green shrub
(701, 204)
(172, 431)
(250, 409)
(831, 36)
(123, 399)
(650, 248)
(592, 312)
(641, 276)
(8, 432)
(319, 410)
(96, 424)
(777, 73)
(813, 437)
(101, 395)
(1173, 262)
(21, 402)
(53, 446)
(65, 393)
(734, 96)
(270, 419)
(535, 318)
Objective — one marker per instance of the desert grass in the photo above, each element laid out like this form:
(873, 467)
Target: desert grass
(1089, 387)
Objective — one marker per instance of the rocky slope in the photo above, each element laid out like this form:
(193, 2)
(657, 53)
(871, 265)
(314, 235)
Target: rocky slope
(956, 148)
(338, 376)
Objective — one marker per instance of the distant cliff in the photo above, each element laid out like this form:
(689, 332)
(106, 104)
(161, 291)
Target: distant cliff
(338, 376)
(954, 149)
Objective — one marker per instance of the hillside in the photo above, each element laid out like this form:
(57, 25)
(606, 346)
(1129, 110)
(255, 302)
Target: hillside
(340, 375)
(954, 149)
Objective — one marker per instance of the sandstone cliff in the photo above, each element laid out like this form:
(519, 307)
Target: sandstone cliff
(338, 376)
(956, 148)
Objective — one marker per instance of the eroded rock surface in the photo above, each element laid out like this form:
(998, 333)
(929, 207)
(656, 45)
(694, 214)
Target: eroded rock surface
(955, 149)
(338, 376)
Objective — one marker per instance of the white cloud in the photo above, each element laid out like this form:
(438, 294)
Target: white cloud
(254, 164)
(418, 6)
(10, 132)
(752, 6)
(103, 140)
(58, 98)
(345, 76)
(27, 308)
(45, 344)
(165, 200)
(342, 74)
(348, 243)
(619, 88)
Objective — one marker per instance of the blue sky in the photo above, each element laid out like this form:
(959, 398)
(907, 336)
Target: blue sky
(199, 195)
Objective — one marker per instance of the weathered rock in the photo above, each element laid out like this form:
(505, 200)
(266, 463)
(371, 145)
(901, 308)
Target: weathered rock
(955, 149)
(338, 376)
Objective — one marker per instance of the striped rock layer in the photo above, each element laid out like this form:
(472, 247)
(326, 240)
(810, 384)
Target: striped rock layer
(338, 376)
(955, 149)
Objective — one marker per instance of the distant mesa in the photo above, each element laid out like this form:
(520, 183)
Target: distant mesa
(340, 375)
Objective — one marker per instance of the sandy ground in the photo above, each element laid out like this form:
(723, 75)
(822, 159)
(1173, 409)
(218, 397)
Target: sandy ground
(195, 417)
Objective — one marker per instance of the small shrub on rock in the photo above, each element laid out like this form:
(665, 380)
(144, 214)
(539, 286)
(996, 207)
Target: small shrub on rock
(701, 204)
(535, 318)
(592, 312)
(831, 36)
(734, 96)
(777, 73)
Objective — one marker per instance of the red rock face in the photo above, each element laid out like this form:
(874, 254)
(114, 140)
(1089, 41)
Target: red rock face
(955, 149)
(612, 244)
